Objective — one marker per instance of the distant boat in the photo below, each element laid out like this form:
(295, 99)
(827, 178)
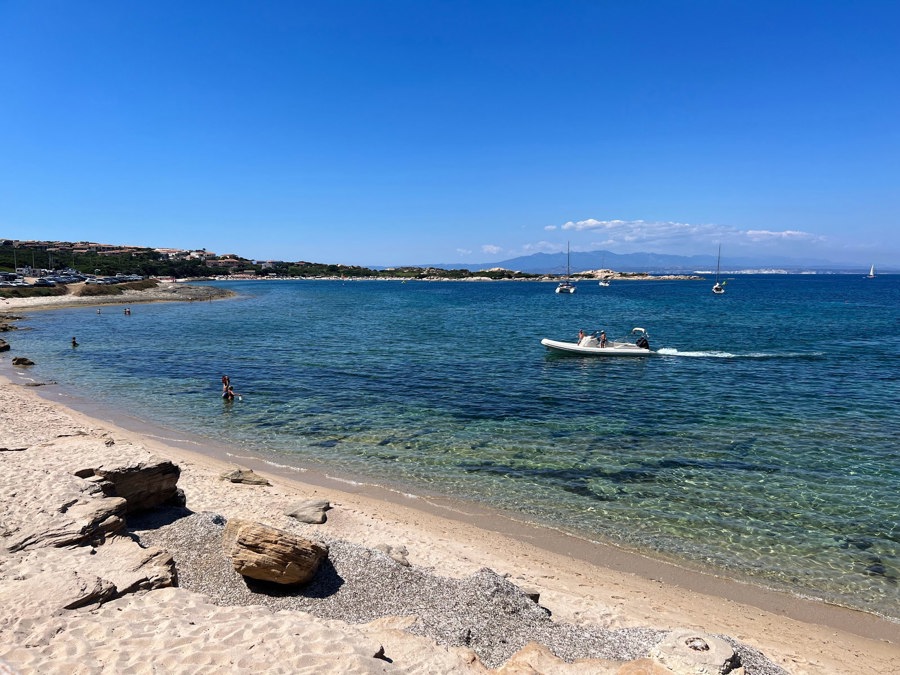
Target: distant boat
(603, 282)
(871, 274)
(566, 286)
(718, 288)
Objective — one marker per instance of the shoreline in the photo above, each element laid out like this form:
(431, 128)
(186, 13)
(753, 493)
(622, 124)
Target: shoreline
(164, 292)
(578, 580)
(493, 520)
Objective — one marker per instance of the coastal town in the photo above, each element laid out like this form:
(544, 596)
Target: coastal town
(57, 262)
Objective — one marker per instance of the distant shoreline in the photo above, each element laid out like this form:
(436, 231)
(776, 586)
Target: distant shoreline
(617, 276)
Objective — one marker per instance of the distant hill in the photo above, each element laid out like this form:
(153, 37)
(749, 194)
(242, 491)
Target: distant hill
(555, 263)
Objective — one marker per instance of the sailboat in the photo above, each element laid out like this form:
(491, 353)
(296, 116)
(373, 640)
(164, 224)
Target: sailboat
(566, 286)
(603, 282)
(871, 274)
(718, 288)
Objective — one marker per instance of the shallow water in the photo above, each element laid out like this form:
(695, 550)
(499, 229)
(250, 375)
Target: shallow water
(760, 440)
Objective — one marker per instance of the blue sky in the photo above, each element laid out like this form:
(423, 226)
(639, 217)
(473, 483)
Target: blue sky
(395, 132)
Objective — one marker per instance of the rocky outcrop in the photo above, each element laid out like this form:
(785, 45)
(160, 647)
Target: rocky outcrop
(244, 476)
(268, 554)
(22, 361)
(144, 482)
(84, 575)
(67, 511)
(310, 511)
(4, 346)
(62, 528)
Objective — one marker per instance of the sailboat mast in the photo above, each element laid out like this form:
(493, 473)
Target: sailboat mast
(718, 260)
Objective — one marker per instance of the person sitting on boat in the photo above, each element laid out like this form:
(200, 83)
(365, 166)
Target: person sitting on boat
(602, 338)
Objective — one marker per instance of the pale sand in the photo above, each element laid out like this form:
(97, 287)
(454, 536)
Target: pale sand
(165, 292)
(175, 630)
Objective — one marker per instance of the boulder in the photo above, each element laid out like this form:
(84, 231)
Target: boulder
(687, 652)
(309, 511)
(268, 554)
(22, 361)
(4, 346)
(244, 476)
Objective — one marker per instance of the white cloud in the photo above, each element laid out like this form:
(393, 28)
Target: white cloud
(786, 235)
(464, 251)
(543, 247)
(630, 236)
(490, 249)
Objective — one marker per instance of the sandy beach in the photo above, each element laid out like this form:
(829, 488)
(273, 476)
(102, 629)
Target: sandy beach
(411, 584)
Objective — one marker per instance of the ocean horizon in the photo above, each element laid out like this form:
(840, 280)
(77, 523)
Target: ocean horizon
(759, 442)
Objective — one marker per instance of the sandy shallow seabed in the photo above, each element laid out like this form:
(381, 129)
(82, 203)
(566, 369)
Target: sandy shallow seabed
(580, 582)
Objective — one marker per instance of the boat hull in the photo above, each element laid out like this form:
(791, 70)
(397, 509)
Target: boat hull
(611, 349)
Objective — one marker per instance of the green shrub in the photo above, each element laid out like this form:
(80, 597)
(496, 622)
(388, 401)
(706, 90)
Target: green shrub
(38, 292)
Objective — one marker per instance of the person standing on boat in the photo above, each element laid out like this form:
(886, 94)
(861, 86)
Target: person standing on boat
(580, 335)
(602, 338)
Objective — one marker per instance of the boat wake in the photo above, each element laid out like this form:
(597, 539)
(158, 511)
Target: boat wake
(668, 351)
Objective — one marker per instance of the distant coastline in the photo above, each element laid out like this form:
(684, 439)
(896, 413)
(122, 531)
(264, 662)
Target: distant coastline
(548, 278)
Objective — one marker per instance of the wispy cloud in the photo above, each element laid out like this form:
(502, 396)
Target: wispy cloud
(662, 235)
(491, 249)
(786, 235)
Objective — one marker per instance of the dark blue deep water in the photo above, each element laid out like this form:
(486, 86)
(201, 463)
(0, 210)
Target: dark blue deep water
(761, 442)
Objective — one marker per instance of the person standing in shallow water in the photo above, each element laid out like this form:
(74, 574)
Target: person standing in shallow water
(74, 342)
(226, 382)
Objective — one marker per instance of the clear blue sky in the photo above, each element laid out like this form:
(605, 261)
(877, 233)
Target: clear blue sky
(403, 132)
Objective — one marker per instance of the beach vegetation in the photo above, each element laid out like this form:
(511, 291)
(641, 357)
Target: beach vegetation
(32, 291)
(98, 290)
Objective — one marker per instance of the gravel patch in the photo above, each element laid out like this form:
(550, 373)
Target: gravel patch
(484, 612)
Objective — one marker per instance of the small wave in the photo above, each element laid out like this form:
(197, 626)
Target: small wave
(667, 351)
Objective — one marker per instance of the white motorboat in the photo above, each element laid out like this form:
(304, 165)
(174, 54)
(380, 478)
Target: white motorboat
(566, 286)
(718, 288)
(637, 343)
(604, 282)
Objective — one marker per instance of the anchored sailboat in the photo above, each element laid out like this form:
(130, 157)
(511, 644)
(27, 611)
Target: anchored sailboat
(566, 286)
(718, 288)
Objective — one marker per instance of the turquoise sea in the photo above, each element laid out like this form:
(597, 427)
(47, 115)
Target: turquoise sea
(761, 442)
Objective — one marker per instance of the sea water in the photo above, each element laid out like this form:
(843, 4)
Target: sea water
(759, 441)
